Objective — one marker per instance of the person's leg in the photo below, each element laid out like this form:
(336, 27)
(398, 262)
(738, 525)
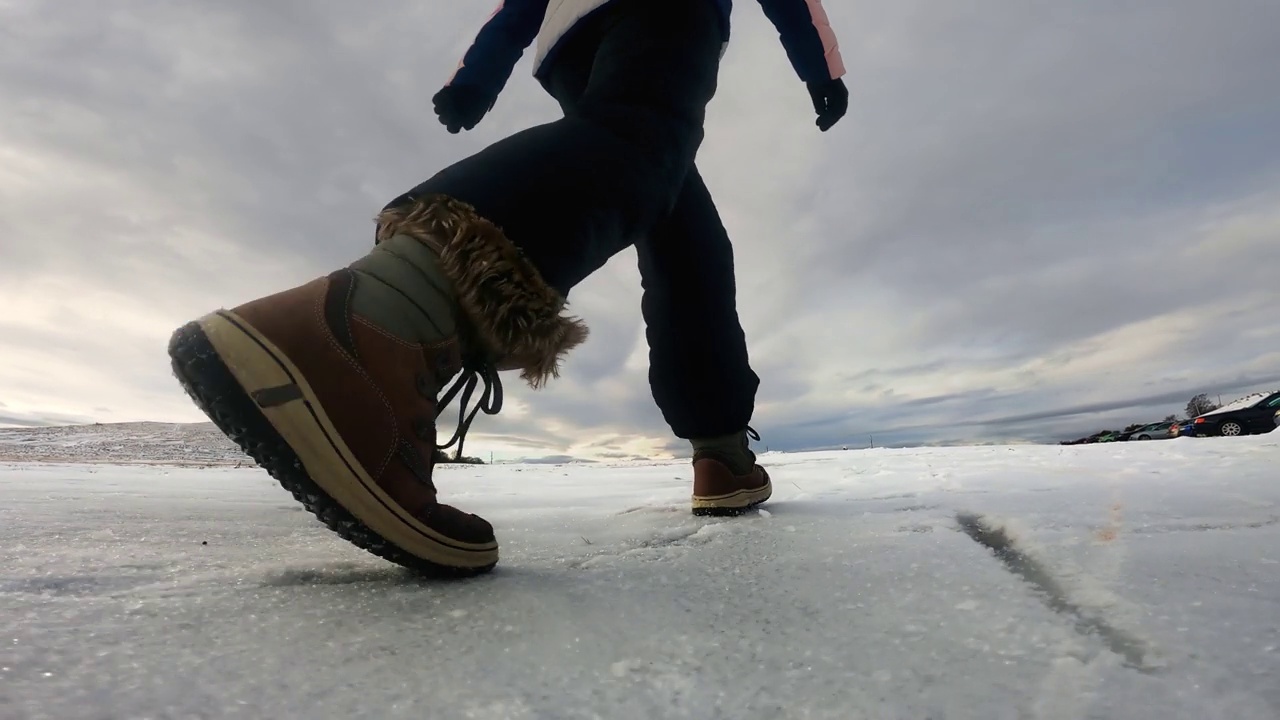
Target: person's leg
(698, 366)
(699, 369)
(698, 362)
(699, 372)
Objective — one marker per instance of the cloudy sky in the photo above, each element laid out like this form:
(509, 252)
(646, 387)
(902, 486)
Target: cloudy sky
(1039, 219)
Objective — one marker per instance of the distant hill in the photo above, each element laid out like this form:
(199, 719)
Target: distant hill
(189, 444)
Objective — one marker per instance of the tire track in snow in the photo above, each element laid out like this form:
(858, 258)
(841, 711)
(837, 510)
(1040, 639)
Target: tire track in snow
(1134, 650)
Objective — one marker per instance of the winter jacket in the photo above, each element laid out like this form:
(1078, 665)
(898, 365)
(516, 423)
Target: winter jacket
(802, 26)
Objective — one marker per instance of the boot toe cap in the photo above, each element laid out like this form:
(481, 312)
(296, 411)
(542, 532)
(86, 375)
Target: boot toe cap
(459, 525)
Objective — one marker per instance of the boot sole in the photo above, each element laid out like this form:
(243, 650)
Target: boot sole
(221, 361)
(734, 503)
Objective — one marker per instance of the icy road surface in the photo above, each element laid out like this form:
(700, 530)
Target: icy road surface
(1137, 580)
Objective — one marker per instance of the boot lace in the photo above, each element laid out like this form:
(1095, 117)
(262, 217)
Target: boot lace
(746, 444)
(490, 401)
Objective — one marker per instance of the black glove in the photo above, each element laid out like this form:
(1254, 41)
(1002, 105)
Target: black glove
(462, 106)
(830, 101)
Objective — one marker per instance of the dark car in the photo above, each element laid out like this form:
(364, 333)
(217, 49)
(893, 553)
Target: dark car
(1252, 415)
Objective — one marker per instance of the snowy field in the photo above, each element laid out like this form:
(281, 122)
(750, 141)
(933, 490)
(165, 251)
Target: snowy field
(1135, 580)
(187, 444)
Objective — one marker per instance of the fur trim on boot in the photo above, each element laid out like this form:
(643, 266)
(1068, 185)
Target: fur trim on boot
(511, 309)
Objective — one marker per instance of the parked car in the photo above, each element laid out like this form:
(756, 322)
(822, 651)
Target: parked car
(1252, 415)
(1150, 431)
(1181, 428)
(1125, 435)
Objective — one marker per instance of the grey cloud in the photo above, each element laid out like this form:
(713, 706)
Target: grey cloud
(530, 440)
(622, 456)
(621, 405)
(554, 460)
(1163, 400)
(42, 419)
(284, 126)
(892, 372)
(1028, 158)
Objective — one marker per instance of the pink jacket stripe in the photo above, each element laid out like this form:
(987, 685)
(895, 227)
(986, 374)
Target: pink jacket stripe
(830, 48)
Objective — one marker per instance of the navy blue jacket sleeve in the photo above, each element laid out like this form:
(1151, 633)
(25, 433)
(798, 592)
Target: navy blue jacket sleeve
(499, 44)
(807, 36)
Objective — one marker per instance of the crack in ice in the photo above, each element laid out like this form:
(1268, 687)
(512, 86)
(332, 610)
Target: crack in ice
(1035, 573)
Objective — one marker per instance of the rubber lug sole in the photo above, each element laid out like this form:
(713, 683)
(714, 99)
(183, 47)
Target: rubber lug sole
(216, 391)
(737, 503)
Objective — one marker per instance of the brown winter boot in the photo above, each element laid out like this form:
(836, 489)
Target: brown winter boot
(333, 386)
(726, 478)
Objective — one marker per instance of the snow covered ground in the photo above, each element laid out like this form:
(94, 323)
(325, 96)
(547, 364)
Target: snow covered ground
(1130, 580)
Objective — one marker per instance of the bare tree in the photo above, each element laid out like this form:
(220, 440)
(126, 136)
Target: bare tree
(1200, 405)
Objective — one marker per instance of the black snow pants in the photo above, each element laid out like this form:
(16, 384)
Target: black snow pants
(618, 170)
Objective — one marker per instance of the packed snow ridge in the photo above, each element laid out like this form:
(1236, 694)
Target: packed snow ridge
(1244, 402)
